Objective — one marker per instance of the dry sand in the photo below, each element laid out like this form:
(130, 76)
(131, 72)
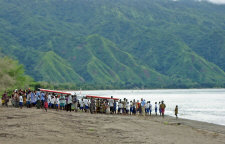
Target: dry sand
(31, 126)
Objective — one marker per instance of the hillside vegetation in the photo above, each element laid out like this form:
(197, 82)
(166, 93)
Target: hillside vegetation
(129, 43)
(12, 75)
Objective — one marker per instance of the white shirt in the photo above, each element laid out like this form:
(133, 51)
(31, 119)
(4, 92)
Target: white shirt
(81, 103)
(111, 101)
(128, 106)
(53, 100)
(70, 99)
(85, 102)
(21, 99)
(57, 101)
(156, 106)
(28, 97)
(147, 105)
(120, 105)
(150, 106)
(49, 99)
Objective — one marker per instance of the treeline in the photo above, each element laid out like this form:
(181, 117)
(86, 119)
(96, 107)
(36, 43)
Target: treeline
(119, 86)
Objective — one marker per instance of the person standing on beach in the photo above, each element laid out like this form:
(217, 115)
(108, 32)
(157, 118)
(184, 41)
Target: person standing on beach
(69, 102)
(111, 101)
(32, 99)
(16, 96)
(92, 105)
(124, 105)
(29, 100)
(57, 103)
(162, 107)
(127, 107)
(49, 100)
(176, 111)
(131, 107)
(86, 105)
(53, 101)
(42, 99)
(75, 103)
(134, 107)
(120, 109)
(160, 111)
(81, 105)
(114, 106)
(156, 108)
(38, 101)
(21, 101)
(98, 106)
(62, 104)
(5, 99)
(150, 108)
(143, 103)
(138, 107)
(24, 98)
(147, 108)
(46, 104)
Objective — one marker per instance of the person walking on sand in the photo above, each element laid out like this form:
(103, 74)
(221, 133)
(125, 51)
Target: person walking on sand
(162, 107)
(176, 111)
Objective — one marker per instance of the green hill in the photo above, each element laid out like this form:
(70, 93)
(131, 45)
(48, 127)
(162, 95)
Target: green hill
(134, 43)
(53, 68)
(12, 75)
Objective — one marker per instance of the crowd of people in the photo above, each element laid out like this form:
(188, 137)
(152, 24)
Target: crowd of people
(45, 101)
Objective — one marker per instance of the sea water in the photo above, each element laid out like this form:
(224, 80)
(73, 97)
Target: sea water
(206, 105)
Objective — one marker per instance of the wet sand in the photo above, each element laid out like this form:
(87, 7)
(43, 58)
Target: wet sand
(32, 126)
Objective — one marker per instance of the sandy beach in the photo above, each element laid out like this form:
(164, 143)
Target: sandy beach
(26, 126)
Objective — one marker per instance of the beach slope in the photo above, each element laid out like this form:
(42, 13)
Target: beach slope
(25, 126)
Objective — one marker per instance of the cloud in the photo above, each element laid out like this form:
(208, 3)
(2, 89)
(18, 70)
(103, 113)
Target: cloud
(216, 1)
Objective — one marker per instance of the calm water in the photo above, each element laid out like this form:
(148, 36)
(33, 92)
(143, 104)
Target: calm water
(197, 104)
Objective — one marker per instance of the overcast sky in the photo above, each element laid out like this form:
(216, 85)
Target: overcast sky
(217, 1)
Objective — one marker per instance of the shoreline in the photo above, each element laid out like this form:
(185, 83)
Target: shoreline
(197, 124)
(151, 89)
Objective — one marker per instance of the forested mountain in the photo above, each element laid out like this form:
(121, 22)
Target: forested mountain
(140, 43)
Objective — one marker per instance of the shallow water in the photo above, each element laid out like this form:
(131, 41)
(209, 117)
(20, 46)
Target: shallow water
(206, 105)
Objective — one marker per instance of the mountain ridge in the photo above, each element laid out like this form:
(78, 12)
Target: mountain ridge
(139, 43)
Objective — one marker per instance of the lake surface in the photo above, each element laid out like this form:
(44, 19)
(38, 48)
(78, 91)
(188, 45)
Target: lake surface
(206, 105)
